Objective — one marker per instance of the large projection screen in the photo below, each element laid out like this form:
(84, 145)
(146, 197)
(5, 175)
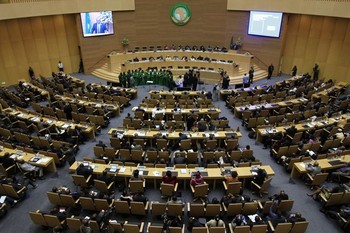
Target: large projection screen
(264, 23)
(97, 23)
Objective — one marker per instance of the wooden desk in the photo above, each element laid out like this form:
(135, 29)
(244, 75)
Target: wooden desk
(324, 94)
(214, 174)
(299, 168)
(43, 93)
(321, 123)
(130, 91)
(99, 105)
(78, 82)
(238, 110)
(225, 92)
(291, 81)
(244, 61)
(87, 129)
(47, 163)
(183, 111)
(164, 93)
(149, 134)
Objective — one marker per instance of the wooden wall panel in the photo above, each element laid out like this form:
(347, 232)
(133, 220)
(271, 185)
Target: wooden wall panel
(37, 42)
(327, 44)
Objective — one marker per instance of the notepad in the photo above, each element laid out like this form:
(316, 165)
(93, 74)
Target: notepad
(183, 171)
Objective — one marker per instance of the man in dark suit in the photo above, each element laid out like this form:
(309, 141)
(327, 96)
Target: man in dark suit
(270, 71)
(293, 218)
(85, 171)
(279, 197)
(99, 27)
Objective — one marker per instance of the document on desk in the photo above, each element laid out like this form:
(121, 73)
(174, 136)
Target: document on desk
(35, 119)
(122, 170)
(303, 165)
(66, 125)
(156, 173)
(183, 171)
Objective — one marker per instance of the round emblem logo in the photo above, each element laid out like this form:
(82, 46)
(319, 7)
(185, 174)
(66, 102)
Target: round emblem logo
(180, 14)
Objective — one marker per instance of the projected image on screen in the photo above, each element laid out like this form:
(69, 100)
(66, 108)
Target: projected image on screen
(265, 23)
(97, 23)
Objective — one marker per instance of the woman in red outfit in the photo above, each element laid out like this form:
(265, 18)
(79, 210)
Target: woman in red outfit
(168, 178)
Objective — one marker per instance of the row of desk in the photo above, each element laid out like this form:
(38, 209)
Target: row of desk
(238, 110)
(87, 129)
(47, 163)
(184, 174)
(183, 111)
(98, 105)
(324, 94)
(301, 127)
(43, 93)
(150, 134)
(226, 92)
(129, 91)
(180, 94)
(117, 60)
(325, 164)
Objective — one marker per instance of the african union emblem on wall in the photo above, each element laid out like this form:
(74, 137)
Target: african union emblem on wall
(180, 14)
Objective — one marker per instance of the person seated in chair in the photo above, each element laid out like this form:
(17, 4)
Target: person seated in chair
(239, 220)
(313, 169)
(136, 176)
(257, 221)
(233, 177)
(279, 197)
(125, 196)
(216, 222)
(275, 217)
(293, 218)
(175, 200)
(38, 172)
(83, 170)
(168, 178)
(61, 190)
(7, 161)
(197, 179)
(105, 177)
(193, 222)
(180, 156)
(260, 177)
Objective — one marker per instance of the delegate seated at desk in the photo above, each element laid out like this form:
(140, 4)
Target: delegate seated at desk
(197, 179)
(314, 169)
(168, 178)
